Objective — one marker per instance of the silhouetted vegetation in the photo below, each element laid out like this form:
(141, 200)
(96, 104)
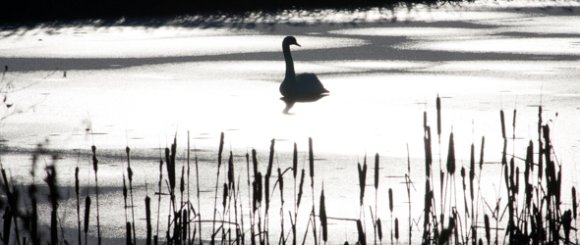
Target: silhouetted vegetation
(49, 10)
(530, 210)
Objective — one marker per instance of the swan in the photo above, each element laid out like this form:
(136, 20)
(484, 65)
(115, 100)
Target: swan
(304, 87)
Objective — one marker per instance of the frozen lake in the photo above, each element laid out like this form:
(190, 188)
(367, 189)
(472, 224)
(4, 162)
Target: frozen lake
(79, 85)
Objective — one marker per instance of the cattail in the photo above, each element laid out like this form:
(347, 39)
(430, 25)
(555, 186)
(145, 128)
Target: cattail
(427, 204)
(51, 180)
(502, 119)
(77, 193)
(130, 175)
(254, 162)
(281, 184)
(125, 193)
(462, 172)
(95, 168)
(225, 196)
(87, 216)
(300, 189)
(391, 200)
(323, 218)
(438, 105)
(567, 224)
(257, 189)
(481, 153)
(128, 236)
(231, 174)
(379, 229)
(428, 154)
(271, 158)
(397, 228)
(362, 240)
(376, 171)
(517, 186)
(8, 225)
(362, 172)
(182, 181)
(159, 198)
(487, 231)
(311, 161)
(471, 170)
(95, 161)
(268, 175)
(514, 124)
(425, 120)
(574, 203)
(451, 156)
(295, 161)
(220, 149)
(148, 219)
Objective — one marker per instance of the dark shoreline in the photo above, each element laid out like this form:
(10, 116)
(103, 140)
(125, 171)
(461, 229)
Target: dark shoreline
(32, 12)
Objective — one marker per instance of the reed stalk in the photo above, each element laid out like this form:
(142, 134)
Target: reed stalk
(78, 204)
(377, 165)
(220, 150)
(159, 185)
(95, 169)
(198, 200)
(130, 177)
(311, 168)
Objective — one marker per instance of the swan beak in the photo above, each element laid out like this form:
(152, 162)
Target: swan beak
(298, 45)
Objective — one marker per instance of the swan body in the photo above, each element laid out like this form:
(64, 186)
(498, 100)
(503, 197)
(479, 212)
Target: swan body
(301, 87)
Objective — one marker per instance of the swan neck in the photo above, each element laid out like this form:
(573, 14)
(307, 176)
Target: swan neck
(290, 74)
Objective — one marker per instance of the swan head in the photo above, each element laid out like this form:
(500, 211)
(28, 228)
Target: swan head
(290, 40)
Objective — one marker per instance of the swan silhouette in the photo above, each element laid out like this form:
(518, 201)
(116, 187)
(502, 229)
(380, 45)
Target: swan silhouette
(305, 87)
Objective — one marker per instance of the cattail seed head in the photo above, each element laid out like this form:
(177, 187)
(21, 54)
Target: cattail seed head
(323, 218)
(481, 153)
(295, 162)
(362, 172)
(311, 160)
(391, 200)
(487, 229)
(574, 202)
(220, 149)
(502, 119)
(281, 184)
(438, 105)
(231, 174)
(182, 180)
(397, 228)
(376, 171)
(362, 240)
(77, 184)
(300, 187)
(87, 213)
(124, 189)
(95, 161)
(225, 196)
(380, 229)
(451, 156)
